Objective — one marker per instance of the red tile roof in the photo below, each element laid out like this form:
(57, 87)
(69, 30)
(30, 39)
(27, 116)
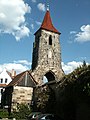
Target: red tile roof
(19, 78)
(47, 23)
(2, 85)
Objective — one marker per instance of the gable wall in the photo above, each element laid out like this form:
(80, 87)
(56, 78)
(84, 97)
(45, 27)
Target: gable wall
(4, 75)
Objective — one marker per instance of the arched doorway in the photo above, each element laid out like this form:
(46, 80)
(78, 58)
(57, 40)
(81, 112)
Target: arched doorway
(49, 76)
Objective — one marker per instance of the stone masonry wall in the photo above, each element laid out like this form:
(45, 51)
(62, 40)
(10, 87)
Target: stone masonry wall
(21, 95)
(49, 56)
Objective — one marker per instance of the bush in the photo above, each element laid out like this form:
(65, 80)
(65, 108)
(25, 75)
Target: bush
(23, 111)
(3, 113)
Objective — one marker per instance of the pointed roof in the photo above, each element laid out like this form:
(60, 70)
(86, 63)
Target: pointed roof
(47, 23)
(21, 78)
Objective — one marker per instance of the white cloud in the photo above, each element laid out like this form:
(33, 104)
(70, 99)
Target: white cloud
(12, 18)
(38, 23)
(84, 35)
(22, 65)
(24, 31)
(73, 32)
(2, 16)
(25, 62)
(33, 1)
(19, 66)
(70, 66)
(41, 7)
(32, 26)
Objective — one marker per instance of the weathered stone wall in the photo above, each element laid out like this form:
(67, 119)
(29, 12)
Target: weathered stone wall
(21, 95)
(46, 57)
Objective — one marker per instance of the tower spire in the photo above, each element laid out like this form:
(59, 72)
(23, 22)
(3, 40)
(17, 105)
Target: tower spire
(47, 22)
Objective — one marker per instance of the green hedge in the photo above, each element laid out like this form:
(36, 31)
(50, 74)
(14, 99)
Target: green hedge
(3, 113)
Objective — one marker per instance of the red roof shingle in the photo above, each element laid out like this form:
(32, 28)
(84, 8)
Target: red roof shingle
(18, 78)
(2, 85)
(47, 23)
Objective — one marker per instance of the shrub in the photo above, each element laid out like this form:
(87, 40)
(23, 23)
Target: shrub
(3, 113)
(23, 111)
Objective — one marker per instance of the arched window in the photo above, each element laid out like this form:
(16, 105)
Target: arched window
(49, 76)
(50, 40)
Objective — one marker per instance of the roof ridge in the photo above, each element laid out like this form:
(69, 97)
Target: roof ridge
(32, 77)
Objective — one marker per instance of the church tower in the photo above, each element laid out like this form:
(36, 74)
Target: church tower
(46, 59)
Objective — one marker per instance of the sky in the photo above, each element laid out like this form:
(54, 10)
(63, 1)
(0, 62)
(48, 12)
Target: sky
(20, 19)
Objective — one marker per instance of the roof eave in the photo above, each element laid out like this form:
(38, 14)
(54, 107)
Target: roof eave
(47, 30)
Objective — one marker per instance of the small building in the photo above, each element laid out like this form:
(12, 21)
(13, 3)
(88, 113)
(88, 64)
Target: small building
(5, 79)
(19, 90)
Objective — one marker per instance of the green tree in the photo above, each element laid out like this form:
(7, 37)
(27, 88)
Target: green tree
(84, 63)
(45, 99)
(42, 96)
(3, 113)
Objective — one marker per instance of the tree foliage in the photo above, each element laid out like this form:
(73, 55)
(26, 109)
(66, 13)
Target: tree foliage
(23, 110)
(42, 96)
(45, 98)
(79, 79)
(73, 88)
(3, 113)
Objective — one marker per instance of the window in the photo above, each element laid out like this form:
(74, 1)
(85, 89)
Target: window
(5, 80)
(1, 80)
(50, 40)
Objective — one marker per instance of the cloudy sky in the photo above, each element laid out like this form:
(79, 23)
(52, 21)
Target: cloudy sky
(20, 19)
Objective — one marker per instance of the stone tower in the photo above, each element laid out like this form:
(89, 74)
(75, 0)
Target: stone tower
(46, 59)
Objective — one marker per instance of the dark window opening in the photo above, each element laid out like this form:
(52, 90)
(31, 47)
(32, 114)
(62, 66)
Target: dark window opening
(49, 76)
(50, 40)
(1, 80)
(5, 80)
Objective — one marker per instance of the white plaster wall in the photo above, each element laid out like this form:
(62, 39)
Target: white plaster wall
(4, 75)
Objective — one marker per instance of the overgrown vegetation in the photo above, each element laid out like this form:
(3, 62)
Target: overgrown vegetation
(73, 89)
(79, 80)
(3, 113)
(45, 99)
(22, 112)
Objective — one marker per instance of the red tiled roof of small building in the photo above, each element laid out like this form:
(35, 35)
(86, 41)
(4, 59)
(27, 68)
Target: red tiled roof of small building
(3, 85)
(18, 78)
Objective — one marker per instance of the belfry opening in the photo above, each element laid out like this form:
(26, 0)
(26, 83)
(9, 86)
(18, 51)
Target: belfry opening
(50, 40)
